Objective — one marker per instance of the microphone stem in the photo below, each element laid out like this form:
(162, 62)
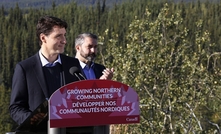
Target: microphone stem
(77, 76)
(82, 76)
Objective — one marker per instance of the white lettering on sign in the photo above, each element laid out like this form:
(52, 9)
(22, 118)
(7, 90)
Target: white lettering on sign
(93, 91)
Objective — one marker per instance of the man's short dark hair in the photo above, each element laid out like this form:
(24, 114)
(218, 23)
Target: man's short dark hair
(46, 23)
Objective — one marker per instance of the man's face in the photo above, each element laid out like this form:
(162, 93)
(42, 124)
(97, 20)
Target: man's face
(54, 43)
(88, 49)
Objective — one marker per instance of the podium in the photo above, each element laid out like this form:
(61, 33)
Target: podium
(90, 106)
(93, 103)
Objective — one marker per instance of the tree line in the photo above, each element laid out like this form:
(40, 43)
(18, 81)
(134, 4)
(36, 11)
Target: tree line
(169, 52)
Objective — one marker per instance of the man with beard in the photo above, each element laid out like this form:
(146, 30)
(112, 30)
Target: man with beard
(86, 51)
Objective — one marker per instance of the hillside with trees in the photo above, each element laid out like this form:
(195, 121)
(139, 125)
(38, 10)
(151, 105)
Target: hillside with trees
(24, 4)
(168, 51)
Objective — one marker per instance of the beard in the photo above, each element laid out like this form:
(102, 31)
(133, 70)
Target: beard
(89, 57)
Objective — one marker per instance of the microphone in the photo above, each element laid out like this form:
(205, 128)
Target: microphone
(75, 71)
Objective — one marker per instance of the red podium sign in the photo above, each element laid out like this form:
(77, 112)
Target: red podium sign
(93, 102)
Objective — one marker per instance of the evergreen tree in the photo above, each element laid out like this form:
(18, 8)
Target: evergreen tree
(176, 46)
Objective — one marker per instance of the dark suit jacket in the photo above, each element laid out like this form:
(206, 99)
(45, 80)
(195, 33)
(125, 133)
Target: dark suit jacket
(29, 88)
(98, 69)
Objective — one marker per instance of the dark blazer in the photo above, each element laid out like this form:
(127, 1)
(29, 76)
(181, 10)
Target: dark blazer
(98, 69)
(29, 88)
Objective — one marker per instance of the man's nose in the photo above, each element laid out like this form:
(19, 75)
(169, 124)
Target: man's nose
(64, 41)
(92, 49)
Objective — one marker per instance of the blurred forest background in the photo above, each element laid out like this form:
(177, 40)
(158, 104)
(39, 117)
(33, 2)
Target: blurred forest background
(26, 4)
(170, 52)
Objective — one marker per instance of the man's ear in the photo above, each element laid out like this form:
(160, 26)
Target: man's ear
(42, 38)
(77, 47)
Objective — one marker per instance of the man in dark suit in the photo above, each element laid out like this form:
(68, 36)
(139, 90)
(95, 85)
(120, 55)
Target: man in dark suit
(36, 78)
(86, 51)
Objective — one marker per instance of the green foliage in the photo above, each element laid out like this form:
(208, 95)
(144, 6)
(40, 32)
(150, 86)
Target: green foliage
(169, 53)
(6, 122)
(171, 74)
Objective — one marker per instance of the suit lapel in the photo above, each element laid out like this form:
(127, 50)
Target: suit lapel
(66, 65)
(37, 67)
(97, 70)
(65, 70)
(82, 72)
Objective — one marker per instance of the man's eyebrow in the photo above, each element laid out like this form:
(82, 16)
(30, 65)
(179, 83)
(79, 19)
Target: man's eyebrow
(59, 35)
(92, 44)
